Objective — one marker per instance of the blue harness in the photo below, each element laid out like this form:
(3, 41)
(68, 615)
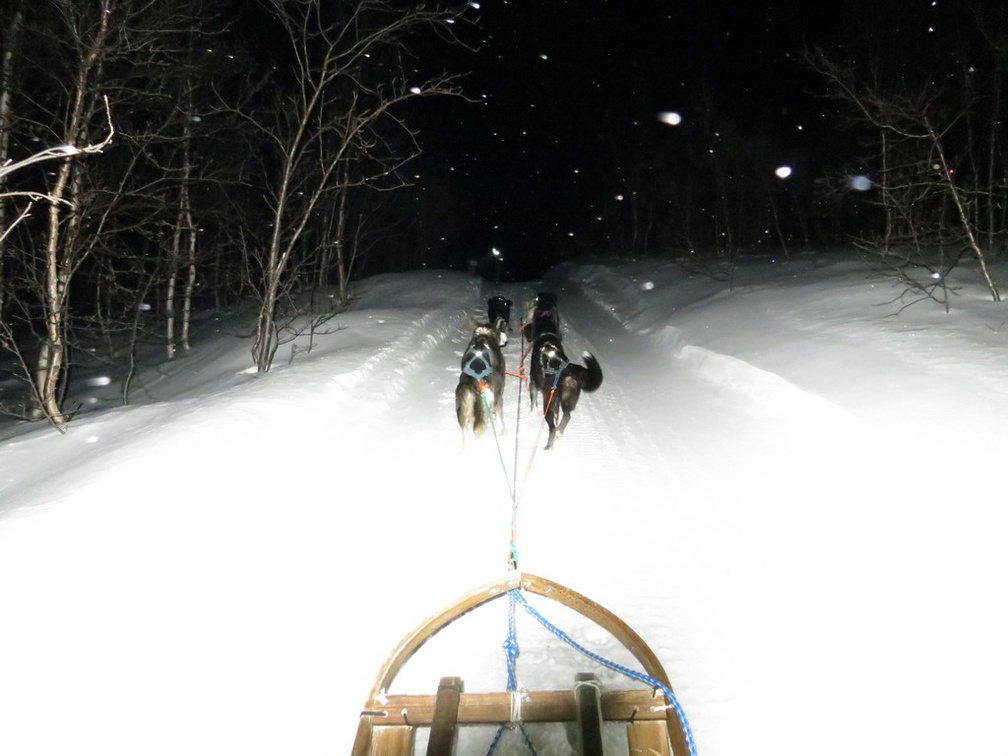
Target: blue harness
(478, 365)
(554, 365)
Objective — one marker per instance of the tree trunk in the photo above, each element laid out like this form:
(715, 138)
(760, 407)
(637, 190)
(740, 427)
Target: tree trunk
(6, 85)
(52, 354)
(190, 282)
(964, 219)
(344, 260)
(170, 289)
(992, 151)
(265, 344)
(62, 232)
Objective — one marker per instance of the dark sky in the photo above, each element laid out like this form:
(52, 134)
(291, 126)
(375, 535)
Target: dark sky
(563, 88)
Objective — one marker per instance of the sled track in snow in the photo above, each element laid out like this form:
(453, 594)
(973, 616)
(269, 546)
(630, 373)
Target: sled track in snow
(394, 364)
(618, 418)
(602, 461)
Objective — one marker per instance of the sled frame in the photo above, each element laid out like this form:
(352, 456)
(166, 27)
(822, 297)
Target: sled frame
(388, 721)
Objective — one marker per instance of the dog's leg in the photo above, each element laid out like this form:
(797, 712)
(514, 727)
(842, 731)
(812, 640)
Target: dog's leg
(492, 400)
(460, 406)
(499, 407)
(465, 409)
(563, 423)
(569, 393)
(479, 416)
(551, 438)
(551, 413)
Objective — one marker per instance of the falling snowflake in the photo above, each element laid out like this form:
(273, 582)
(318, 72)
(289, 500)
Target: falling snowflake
(860, 183)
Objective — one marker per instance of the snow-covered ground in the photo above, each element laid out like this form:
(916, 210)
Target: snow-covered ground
(790, 489)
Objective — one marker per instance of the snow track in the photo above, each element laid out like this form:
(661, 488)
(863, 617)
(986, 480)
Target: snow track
(786, 492)
(415, 355)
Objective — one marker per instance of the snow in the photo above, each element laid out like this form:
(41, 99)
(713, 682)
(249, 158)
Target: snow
(789, 487)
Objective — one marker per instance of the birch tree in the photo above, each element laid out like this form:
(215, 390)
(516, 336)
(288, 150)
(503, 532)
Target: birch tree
(99, 221)
(350, 68)
(90, 26)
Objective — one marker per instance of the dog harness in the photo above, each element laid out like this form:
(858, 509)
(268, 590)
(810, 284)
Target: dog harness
(478, 365)
(554, 364)
(547, 314)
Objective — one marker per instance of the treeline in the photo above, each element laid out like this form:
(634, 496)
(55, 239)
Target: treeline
(897, 142)
(158, 152)
(924, 96)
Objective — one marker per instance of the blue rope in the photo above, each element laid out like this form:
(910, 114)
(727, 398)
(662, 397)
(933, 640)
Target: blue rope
(500, 452)
(639, 676)
(495, 741)
(510, 647)
(525, 738)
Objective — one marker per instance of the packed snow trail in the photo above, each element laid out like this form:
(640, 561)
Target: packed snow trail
(626, 465)
(784, 490)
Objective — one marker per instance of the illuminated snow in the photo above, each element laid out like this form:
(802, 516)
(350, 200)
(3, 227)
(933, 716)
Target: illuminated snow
(762, 488)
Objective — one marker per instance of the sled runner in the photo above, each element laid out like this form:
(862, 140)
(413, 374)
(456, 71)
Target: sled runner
(653, 719)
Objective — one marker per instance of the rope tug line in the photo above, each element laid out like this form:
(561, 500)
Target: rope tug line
(515, 596)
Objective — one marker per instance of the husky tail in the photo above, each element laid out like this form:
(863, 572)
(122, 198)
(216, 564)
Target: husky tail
(593, 372)
(470, 409)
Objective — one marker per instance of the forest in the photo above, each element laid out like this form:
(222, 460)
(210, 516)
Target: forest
(163, 157)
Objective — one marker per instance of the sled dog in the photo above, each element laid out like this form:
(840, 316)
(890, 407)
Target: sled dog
(543, 316)
(559, 381)
(499, 315)
(481, 382)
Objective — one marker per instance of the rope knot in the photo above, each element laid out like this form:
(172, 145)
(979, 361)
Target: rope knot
(510, 647)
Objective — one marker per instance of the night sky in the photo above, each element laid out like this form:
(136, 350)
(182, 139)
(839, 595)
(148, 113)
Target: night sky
(563, 88)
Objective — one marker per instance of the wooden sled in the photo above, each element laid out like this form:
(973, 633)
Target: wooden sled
(389, 722)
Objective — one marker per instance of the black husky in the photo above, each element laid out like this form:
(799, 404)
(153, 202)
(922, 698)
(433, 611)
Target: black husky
(481, 383)
(499, 315)
(559, 381)
(543, 316)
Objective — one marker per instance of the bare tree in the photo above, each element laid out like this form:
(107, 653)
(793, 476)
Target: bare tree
(107, 219)
(937, 204)
(330, 128)
(351, 74)
(183, 242)
(63, 253)
(202, 156)
(62, 154)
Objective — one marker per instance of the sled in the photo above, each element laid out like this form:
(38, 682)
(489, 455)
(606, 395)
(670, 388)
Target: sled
(389, 722)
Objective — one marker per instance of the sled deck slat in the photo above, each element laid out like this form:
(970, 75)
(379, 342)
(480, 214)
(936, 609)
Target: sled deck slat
(589, 714)
(537, 706)
(392, 741)
(444, 728)
(648, 739)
